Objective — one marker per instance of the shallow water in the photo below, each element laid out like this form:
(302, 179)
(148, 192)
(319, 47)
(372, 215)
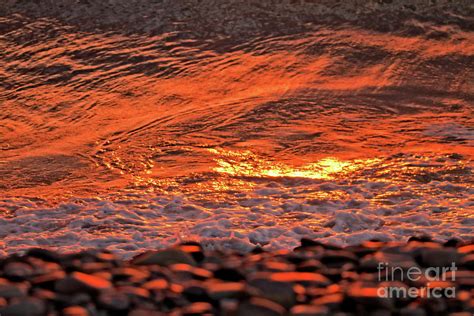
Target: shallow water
(131, 140)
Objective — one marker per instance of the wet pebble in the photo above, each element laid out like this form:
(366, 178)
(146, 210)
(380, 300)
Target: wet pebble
(75, 311)
(27, 306)
(260, 307)
(280, 292)
(81, 282)
(9, 290)
(309, 310)
(221, 290)
(443, 257)
(164, 258)
(114, 301)
(17, 271)
(199, 308)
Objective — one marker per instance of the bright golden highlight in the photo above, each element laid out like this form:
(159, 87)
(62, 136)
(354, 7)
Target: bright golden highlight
(248, 164)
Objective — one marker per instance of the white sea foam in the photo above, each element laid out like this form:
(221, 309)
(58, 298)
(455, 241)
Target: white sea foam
(338, 211)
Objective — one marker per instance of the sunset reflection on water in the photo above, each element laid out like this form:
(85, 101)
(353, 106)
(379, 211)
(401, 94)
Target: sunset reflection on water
(336, 133)
(248, 164)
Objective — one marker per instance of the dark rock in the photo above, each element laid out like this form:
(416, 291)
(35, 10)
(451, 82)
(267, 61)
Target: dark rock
(81, 299)
(229, 274)
(260, 307)
(75, 311)
(218, 291)
(466, 313)
(10, 290)
(372, 263)
(467, 262)
(412, 311)
(41, 267)
(299, 256)
(164, 258)
(81, 282)
(422, 238)
(89, 255)
(453, 242)
(17, 271)
(48, 280)
(335, 275)
(305, 242)
(330, 300)
(435, 306)
(25, 307)
(172, 301)
(196, 293)
(363, 250)
(92, 267)
(113, 301)
(463, 278)
(443, 257)
(129, 274)
(44, 254)
(358, 294)
(185, 271)
(336, 259)
(134, 292)
(257, 250)
(310, 265)
(63, 300)
(44, 295)
(144, 312)
(309, 310)
(279, 292)
(198, 308)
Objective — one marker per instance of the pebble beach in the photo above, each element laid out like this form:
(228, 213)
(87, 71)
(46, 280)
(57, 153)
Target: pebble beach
(313, 279)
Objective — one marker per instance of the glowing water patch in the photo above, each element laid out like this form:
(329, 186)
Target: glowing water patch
(248, 164)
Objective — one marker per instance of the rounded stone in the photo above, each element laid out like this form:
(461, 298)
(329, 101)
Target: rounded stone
(9, 290)
(48, 280)
(198, 308)
(260, 307)
(44, 254)
(443, 257)
(17, 271)
(81, 282)
(229, 274)
(196, 293)
(309, 310)
(129, 274)
(468, 262)
(113, 301)
(279, 292)
(164, 258)
(75, 311)
(218, 291)
(28, 306)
